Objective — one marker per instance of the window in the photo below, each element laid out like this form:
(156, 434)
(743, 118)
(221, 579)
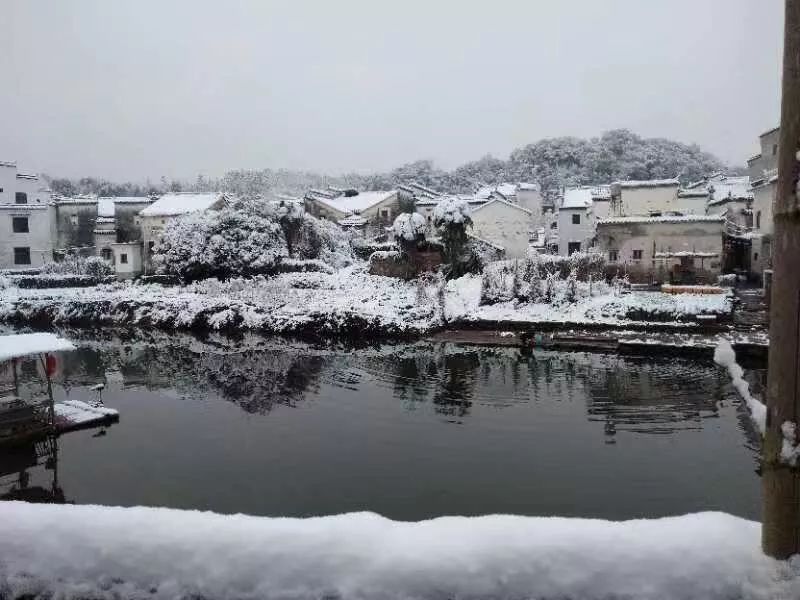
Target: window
(21, 198)
(576, 219)
(755, 256)
(385, 213)
(637, 255)
(106, 253)
(612, 256)
(19, 224)
(22, 256)
(758, 220)
(573, 247)
(774, 149)
(123, 259)
(73, 220)
(150, 246)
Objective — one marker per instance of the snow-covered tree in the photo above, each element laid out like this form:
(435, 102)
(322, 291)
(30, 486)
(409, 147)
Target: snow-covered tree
(409, 228)
(290, 216)
(231, 241)
(451, 218)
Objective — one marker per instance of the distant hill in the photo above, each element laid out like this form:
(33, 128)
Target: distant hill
(552, 162)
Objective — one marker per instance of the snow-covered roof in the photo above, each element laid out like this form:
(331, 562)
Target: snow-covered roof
(31, 176)
(730, 188)
(359, 202)
(577, 198)
(6, 163)
(500, 200)
(693, 193)
(663, 219)
(528, 186)
(180, 203)
(648, 183)
(507, 189)
(27, 344)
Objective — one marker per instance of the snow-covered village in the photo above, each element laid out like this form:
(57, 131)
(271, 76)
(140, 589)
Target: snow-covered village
(553, 354)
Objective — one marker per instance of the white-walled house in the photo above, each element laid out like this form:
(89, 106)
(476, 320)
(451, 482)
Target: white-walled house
(764, 190)
(677, 248)
(155, 217)
(27, 220)
(127, 259)
(577, 217)
(503, 224)
(652, 197)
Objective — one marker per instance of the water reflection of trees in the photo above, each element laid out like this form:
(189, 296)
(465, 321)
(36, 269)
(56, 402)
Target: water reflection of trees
(623, 393)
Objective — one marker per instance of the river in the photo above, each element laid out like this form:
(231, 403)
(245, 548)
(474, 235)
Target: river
(273, 427)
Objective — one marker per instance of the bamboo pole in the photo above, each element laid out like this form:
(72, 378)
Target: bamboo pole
(781, 484)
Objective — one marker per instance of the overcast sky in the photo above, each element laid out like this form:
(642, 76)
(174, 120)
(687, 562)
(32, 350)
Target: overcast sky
(127, 90)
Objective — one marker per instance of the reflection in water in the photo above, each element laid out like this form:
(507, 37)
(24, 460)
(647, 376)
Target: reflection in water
(408, 430)
(642, 395)
(18, 462)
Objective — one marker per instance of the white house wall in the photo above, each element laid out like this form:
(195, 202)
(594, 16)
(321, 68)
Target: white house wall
(504, 225)
(647, 200)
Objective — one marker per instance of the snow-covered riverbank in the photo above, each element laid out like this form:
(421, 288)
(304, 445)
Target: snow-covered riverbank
(346, 302)
(162, 553)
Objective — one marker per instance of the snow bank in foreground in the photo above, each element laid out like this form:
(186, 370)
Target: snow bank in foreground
(725, 356)
(79, 551)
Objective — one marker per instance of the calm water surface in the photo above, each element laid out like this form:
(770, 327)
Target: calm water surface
(271, 427)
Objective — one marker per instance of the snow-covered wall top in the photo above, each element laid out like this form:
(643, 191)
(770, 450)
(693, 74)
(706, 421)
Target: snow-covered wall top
(27, 344)
(664, 219)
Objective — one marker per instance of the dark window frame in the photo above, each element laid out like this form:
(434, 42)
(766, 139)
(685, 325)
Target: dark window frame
(637, 254)
(123, 258)
(576, 219)
(20, 198)
(24, 251)
(16, 226)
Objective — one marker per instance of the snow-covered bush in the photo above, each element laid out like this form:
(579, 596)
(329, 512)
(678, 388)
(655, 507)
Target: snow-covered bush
(409, 228)
(583, 264)
(451, 218)
(91, 266)
(224, 243)
(498, 282)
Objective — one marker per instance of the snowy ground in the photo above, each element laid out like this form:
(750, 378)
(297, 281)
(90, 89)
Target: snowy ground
(601, 306)
(348, 301)
(103, 552)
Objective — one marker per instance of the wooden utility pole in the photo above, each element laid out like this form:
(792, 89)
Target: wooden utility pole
(781, 529)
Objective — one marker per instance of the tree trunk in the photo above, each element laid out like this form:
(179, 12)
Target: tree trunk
(781, 529)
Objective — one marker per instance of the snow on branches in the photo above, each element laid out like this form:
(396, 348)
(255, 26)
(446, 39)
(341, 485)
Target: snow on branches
(451, 210)
(409, 227)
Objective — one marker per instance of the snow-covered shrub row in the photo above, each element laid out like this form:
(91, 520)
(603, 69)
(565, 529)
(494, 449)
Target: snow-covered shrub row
(58, 281)
(347, 302)
(583, 264)
(543, 279)
(247, 238)
(92, 266)
(292, 265)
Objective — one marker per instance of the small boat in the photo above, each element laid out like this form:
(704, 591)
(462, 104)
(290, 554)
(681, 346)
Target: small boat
(27, 411)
